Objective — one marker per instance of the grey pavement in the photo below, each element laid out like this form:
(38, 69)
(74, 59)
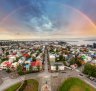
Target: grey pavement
(46, 76)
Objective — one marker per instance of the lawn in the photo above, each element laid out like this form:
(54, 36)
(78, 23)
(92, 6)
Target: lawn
(14, 87)
(32, 85)
(75, 84)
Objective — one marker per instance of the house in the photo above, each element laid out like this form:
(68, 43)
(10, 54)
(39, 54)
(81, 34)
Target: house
(52, 58)
(74, 66)
(66, 56)
(1, 52)
(27, 66)
(36, 64)
(53, 68)
(14, 65)
(30, 59)
(5, 65)
(57, 66)
(23, 58)
(26, 55)
(21, 61)
(12, 58)
(18, 54)
(93, 62)
(86, 58)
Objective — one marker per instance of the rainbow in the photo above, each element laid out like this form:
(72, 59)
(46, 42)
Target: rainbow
(64, 5)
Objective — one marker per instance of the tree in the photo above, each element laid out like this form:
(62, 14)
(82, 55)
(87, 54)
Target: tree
(38, 67)
(20, 70)
(72, 61)
(30, 69)
(34, 59)
(78, 62)
(90, 70)
(61, 58)
(57, 68)
(7, 53)
(75, 60)
(8, 70)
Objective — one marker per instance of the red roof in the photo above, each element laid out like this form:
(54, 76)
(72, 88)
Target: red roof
(14, 53)
(26, 55)
(33, 63)
(36, 63)
(8, 64)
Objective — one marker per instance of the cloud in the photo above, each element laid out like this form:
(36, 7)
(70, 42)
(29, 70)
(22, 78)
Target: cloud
(42, 24)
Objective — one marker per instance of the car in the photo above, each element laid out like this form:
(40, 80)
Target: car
(95, 80)
(63, 72)
(55, 76)
(81, 74)
(91, 78)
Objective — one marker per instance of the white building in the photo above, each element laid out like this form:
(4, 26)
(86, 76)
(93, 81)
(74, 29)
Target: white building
(52, 58)
(60, 66)
(53, 68)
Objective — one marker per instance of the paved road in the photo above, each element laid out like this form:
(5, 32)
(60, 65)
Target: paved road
(7, 81)
(45, 81)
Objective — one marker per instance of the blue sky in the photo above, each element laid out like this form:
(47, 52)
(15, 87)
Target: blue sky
(47, 18)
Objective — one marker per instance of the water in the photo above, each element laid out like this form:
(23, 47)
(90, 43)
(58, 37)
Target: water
(81, 42)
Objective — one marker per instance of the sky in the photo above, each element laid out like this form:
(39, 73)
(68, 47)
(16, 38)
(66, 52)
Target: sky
(47, 19)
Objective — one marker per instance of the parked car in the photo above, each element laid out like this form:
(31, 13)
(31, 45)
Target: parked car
(95, 80)
(91, 78)
(81, 74)
(63, 72)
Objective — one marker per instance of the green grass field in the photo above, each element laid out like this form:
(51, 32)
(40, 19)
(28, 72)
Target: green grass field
(14, 87)
(32, 85)
(75, 84)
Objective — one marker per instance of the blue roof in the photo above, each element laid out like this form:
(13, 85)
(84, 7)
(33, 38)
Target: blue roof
(30, 59)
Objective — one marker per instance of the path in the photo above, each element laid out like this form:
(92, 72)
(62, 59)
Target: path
(45, 82)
